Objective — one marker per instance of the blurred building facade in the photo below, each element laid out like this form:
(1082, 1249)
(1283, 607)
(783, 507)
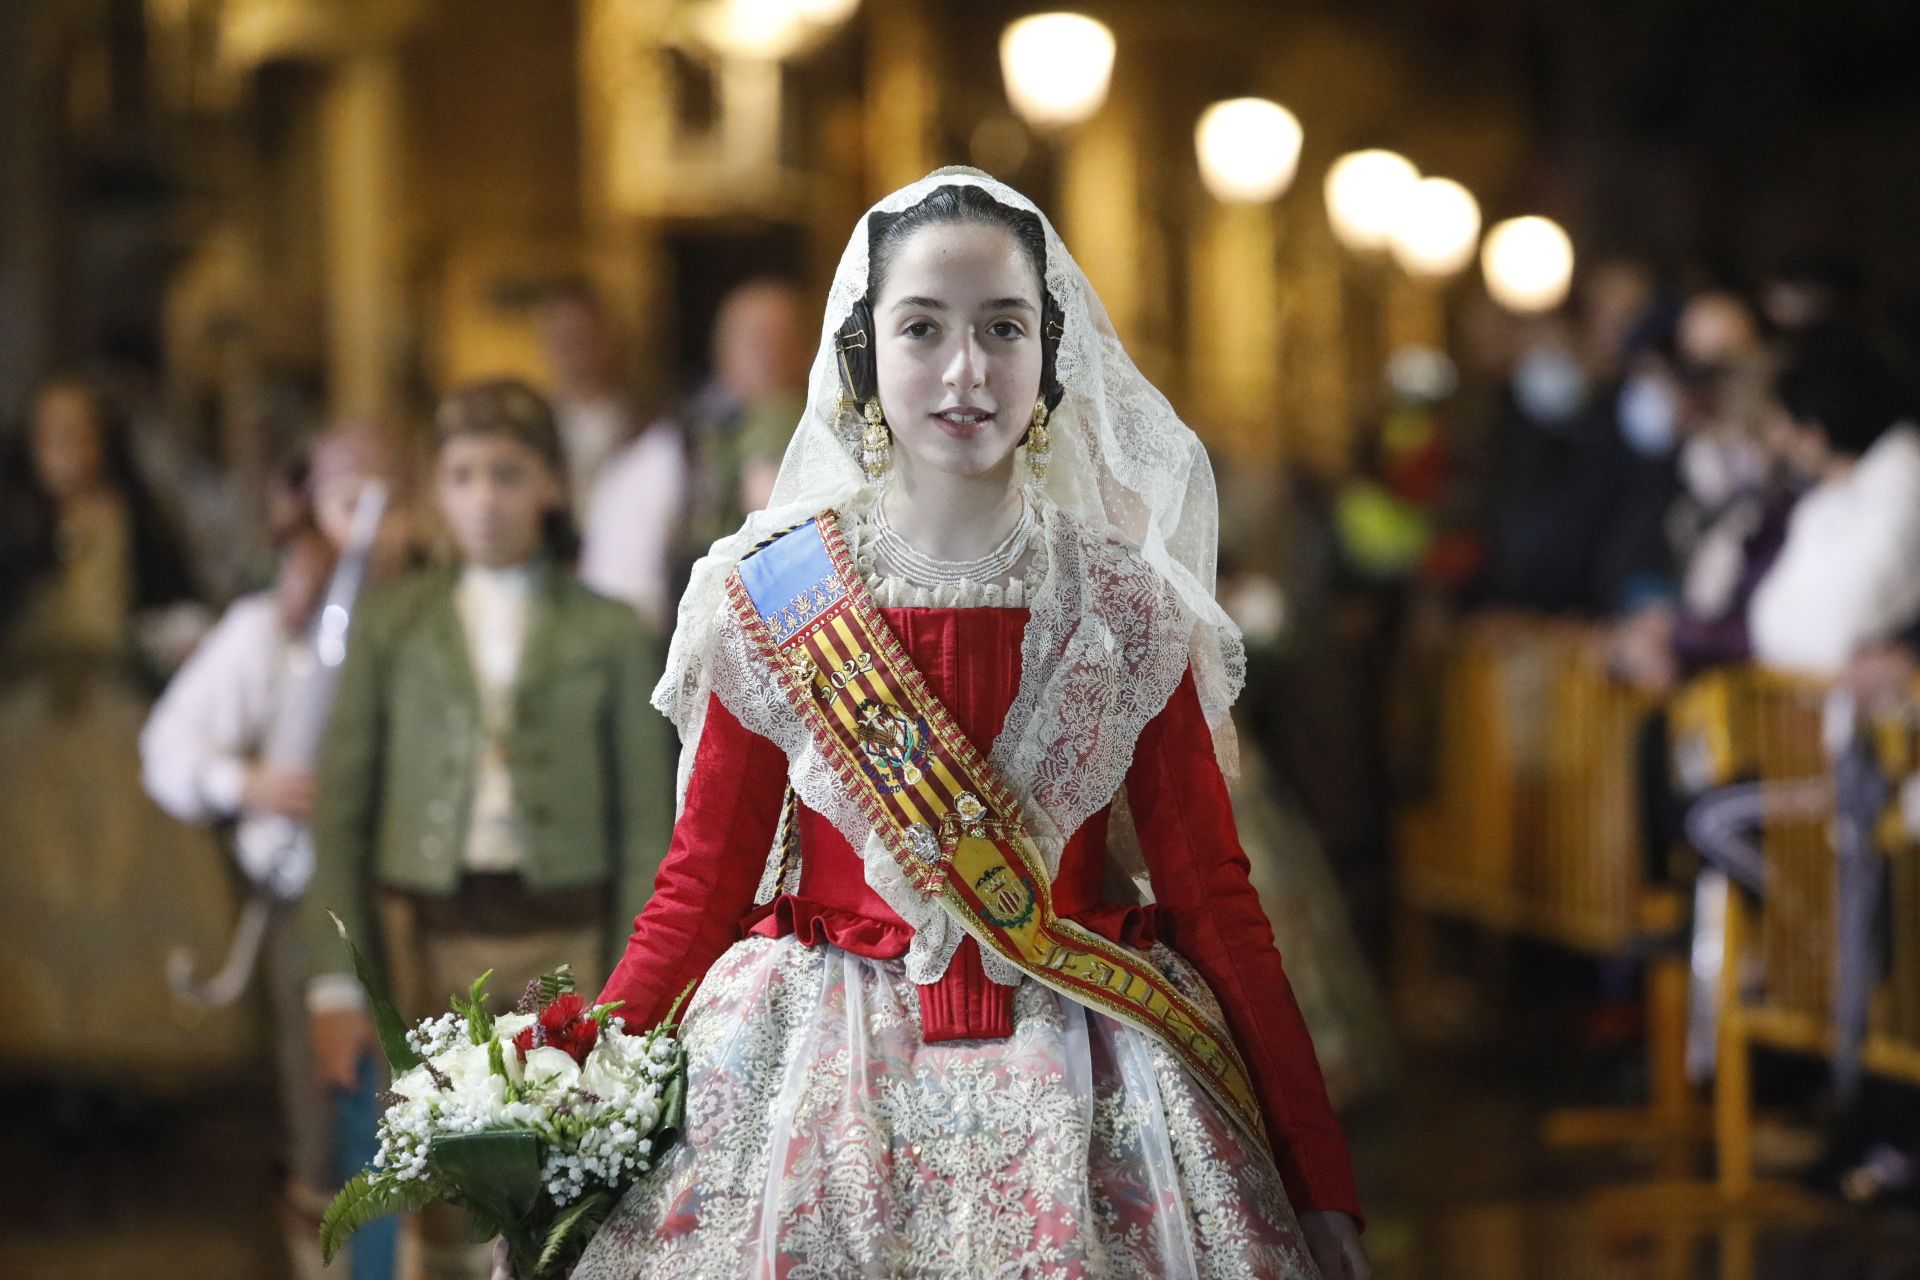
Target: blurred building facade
(344, 204)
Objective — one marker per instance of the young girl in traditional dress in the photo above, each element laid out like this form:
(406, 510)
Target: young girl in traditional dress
(951, 709)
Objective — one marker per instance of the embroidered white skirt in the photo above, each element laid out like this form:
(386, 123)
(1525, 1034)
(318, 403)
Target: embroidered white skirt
(825, 1141)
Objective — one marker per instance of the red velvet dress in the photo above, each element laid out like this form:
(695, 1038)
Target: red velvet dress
(702, 909)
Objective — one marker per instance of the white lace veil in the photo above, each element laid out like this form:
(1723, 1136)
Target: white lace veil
(1135, 485)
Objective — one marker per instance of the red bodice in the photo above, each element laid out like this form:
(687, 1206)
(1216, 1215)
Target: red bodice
(703, 899)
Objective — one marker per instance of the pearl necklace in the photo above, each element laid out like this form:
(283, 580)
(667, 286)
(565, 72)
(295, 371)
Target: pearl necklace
(929, 572)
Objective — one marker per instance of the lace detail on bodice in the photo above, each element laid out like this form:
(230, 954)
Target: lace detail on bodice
(1107, 642)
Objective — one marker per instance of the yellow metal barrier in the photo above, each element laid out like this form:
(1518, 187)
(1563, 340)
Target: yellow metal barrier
(1534, 831)
(1585, 883)
(1780, 955)
(1533, 828)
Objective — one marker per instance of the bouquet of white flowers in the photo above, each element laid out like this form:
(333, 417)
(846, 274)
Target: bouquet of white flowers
(534, 1122)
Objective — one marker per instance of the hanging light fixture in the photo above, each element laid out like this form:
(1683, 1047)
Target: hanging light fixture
(825, 13)
(1435, 229)
(1057, 67)
(1364, 190)
(1528, 264)
(770, 29)
(1249, 150)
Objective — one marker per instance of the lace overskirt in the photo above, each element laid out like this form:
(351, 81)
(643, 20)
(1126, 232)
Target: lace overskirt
(825, 1141)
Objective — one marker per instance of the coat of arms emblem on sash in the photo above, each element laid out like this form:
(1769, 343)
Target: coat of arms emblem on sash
(893, 745)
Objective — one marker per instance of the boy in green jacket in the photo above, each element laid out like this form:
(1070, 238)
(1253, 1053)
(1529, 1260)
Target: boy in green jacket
(494, 790)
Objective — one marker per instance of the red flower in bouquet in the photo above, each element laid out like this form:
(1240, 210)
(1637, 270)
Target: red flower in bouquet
(564, 1025)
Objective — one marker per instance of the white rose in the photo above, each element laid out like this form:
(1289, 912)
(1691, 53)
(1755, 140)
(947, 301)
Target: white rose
(551, 1068)
(471, 1065)
(415, 1084)
(608, 1068)
(509, 1025)
(465, 1065)
(632, 1049)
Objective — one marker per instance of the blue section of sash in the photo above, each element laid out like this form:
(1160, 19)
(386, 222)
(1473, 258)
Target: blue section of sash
(790, 580)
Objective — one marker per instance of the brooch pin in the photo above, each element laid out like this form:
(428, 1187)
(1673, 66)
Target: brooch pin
(921, 841)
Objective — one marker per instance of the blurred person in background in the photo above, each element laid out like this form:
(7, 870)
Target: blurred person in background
(762, 344)
(1812, 297)
(1843, 602)
(1636, 568)
(1550, 490)
(1726, 372)
(92, 565)
(1403, 555)
(1639, 581)
(1613, 302)
(1289, 867)
(204, 761)
(1839, 602)
(95, 604)
(1730, 557)
(1711, 524)
(737, 427)
(595, 416)
(1697, 370)
(689, 480)
(1304, 686)
(1581, 472)
(494, 790)
(1847, 579)
(1559, 470)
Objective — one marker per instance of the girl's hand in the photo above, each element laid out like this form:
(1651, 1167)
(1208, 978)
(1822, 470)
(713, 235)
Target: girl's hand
(282, 791)
(1334, 1240)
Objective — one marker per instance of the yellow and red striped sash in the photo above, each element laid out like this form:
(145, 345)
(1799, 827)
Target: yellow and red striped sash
(939, 806)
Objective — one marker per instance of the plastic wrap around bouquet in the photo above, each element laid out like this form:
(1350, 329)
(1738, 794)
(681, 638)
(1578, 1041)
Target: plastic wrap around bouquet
(534, 1122)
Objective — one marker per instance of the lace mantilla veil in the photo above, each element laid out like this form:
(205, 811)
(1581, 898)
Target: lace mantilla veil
(1130, 522)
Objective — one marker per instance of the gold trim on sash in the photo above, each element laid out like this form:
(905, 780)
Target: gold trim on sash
(947, 816)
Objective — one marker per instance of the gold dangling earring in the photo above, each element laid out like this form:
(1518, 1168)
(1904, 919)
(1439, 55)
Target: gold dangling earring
(876, 442)
(1039, 444)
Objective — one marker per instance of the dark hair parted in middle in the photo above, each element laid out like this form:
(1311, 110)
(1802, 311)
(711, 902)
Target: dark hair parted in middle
(945, 206)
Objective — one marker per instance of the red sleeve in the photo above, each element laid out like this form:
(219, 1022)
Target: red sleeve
(712, 868)
(1213, 918)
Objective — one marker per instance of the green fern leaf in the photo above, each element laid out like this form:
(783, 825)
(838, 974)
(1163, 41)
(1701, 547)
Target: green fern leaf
(556, 984)
(577, 1222)
(386, 1019)
(367, 1196)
